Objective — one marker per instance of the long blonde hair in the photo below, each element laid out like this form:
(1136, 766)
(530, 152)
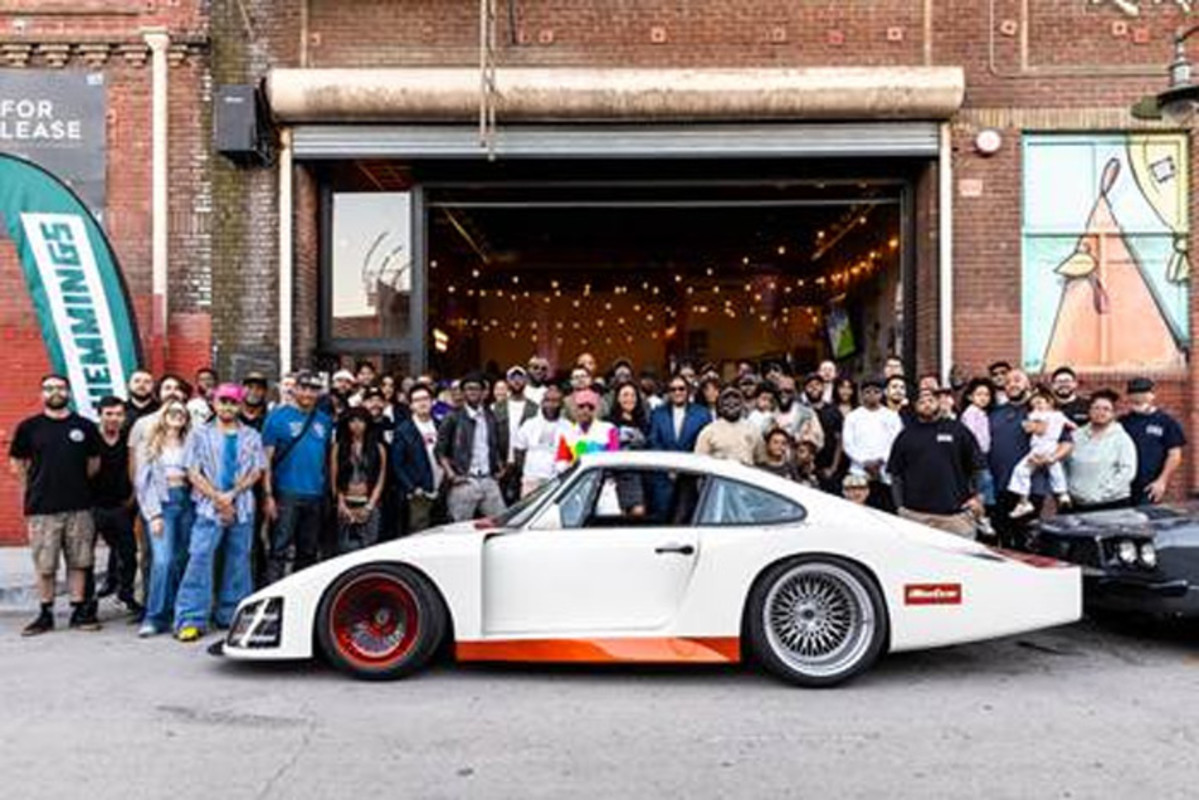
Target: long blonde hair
(158, 430)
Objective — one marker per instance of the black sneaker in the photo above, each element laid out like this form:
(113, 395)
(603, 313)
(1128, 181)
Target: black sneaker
(43, 624)
(83, 617)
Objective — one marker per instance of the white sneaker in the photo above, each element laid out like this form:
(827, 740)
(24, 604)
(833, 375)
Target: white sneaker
(1023, 509)
(147, 630)
(1063, 500)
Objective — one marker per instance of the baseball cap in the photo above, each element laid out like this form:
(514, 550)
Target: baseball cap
(343, 375)
(812, 377)
(517, 370)
(855, 482)
(228, 391)
(309, 378)
(586, 397)
(1137, 385)
(254, 378)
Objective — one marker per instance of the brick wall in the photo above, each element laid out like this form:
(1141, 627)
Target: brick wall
(1070, 65)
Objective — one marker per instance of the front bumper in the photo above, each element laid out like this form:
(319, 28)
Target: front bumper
(1103, 591)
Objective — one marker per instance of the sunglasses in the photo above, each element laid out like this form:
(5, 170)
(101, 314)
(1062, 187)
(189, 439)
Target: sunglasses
(226, 401)
(177, 413)
(585, 405)
(678, 388)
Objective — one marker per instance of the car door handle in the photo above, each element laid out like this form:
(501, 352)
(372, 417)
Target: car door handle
(681, 549)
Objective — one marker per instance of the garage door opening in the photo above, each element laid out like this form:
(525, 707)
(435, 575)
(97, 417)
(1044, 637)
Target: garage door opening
(452, 267)
(715, 275)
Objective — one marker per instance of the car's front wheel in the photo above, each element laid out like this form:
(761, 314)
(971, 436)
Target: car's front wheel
(380, 622)
(816, 621)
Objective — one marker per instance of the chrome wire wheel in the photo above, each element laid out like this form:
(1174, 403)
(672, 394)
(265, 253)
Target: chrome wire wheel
(818, 619)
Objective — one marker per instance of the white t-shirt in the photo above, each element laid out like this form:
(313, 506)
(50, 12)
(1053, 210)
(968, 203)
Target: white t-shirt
(516, 412)
(428, 433)
(868, 435)
(538, 437)
(1045, 444)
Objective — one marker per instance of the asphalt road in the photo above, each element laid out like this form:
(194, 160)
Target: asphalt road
(1078, 712)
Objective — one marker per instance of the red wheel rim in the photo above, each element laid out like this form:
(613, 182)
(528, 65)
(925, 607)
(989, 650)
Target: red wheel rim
(375, 620)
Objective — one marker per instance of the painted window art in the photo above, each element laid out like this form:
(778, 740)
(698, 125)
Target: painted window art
(1105, 267)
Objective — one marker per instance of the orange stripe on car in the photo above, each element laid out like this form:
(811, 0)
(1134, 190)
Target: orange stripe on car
(702, 650)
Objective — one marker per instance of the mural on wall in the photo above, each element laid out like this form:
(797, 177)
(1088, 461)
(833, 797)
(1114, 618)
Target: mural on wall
(1105, 268)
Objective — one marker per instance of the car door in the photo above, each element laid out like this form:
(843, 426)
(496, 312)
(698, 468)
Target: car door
(581, 567)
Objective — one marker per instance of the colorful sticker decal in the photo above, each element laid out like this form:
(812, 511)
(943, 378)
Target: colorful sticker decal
(932, 594)
(1105, 265)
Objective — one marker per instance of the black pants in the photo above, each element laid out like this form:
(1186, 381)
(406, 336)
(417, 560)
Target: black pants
(298, 527)
(115, 527)
(880, 497)
(1013, 533)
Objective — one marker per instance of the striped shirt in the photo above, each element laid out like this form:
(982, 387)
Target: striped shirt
(205, 448)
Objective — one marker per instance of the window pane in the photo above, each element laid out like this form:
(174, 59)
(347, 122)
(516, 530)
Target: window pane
(576, 505)
(732, 503)
(372, 265)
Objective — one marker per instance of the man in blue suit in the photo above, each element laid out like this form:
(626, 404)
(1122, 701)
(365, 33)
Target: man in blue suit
(673, 426)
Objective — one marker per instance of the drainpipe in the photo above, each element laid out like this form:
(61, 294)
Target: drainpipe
(945, 249)
(285, 251)
(159, 41)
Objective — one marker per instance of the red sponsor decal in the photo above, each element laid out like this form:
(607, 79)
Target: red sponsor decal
(932, 594)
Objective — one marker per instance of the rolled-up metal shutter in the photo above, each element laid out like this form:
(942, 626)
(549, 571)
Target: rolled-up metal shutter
(765, 140)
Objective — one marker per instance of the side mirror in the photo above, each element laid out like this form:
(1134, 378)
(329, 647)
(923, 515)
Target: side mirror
(550, 519)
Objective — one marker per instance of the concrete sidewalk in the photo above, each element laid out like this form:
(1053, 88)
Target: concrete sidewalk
(18, 587)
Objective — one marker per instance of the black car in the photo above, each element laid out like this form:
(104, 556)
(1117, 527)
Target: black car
(1141, 560)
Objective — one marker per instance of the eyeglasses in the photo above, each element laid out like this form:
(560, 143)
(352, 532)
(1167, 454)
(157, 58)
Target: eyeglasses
(678, 388)
(55, 388)
(176, 413)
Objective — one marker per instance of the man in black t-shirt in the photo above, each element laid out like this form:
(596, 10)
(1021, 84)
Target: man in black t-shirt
(55, 454)
(142, 401)
(1159, 440)
(1065, 392)
(112, 505)
(932, 467)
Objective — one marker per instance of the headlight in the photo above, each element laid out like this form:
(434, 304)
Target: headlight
(259, 624)
(1126, 551)
(1149, 555)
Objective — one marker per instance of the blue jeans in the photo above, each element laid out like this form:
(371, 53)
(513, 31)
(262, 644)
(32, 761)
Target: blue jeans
(195, 592)
(168, 554)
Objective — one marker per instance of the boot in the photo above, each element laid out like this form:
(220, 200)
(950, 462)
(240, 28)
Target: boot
(83, 617)
(44, 623)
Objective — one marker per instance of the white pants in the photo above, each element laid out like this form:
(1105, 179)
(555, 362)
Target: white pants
(1021, 482)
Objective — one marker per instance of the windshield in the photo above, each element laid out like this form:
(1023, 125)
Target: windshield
(522, 510)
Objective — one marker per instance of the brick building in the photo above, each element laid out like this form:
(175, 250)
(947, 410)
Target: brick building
(957, 181)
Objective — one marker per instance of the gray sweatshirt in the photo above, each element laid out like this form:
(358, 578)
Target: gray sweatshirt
(1102, 465)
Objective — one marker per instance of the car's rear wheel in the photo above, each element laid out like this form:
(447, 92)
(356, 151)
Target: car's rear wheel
(816, 621)
(380, 622)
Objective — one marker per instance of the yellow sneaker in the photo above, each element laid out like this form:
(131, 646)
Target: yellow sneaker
(188, 633)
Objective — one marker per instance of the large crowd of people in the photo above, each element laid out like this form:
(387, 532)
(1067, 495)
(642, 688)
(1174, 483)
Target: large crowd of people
(208, 490)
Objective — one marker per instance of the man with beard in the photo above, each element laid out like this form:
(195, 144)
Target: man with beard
(141, 400)
(54, 454)
(998, 371)
(867, 435)
(932, 466)
(539, 376)
(1009, 445)
(895, 395)
(471, 447)
(673, 427)
(171, 387)
(1065, 389)
(224, 459)
(828, 457)
(536, 446)
(1159, 441)
(253, 415)
(113, 507)
(253, 401)
(200, 406)
(730, 437)
(511, 413)
(796, 417)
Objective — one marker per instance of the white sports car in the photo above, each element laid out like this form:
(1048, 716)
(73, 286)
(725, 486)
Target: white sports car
(740, 564)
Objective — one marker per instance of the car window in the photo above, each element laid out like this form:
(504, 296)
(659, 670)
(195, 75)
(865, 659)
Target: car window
(735, 503)
(630, 498)
(575, 506)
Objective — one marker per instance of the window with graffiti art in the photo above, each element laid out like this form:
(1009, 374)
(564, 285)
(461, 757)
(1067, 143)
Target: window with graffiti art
(1105, 268)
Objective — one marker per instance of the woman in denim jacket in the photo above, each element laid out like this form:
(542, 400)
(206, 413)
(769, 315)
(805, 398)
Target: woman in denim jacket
(164, 497)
